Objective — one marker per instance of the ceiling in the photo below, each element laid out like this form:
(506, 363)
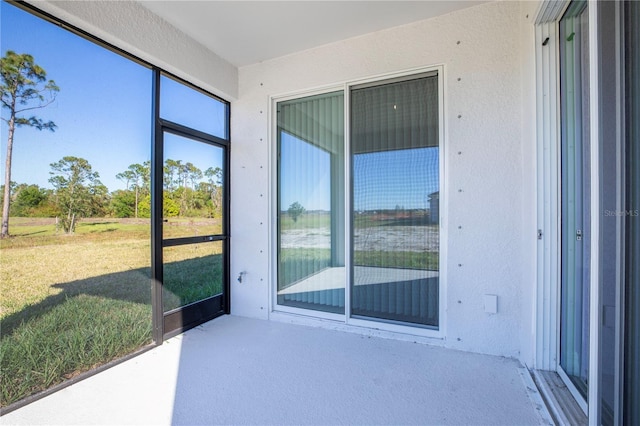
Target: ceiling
(247, 32)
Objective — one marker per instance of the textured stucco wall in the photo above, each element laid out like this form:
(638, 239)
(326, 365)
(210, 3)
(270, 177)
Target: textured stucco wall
(133, 28)
(489, 169)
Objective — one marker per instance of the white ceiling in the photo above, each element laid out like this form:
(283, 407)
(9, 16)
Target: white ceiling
(247, 32)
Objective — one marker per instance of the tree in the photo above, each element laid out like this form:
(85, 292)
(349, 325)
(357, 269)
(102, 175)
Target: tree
(295, 210)
(214, 180)
(79, 192)
(122, 203)
(136, 174)
(171, 169)
(28, 198)
(24, 87)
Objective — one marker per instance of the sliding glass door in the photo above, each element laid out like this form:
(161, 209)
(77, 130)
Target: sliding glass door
(575, 201)
(632, 216)
(311, 228)
(389, 250)
(395, 201)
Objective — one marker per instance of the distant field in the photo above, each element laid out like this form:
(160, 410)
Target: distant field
(307, 220)
(71, 302)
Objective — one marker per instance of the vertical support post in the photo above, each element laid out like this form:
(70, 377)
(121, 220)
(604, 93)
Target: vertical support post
(595, 318)
(157, 155)
(226, 214)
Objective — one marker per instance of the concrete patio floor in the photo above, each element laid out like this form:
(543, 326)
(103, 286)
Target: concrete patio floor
(236, 370)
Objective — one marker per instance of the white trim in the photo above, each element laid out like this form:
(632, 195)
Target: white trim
(548, 196)
(273, 205)
(272, 245)
(547, 310)
(311, 313)
(347, 203)
(402, 333)
(444, 203)
(393, 327)
(594, 302)
(550, 11)
(582, 402)
(280, 311)
(300, 94)
(397, 74)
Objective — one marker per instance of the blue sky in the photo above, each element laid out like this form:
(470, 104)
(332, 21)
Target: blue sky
(304, 174)
(386, 179)
(103, 110)
(382, 180)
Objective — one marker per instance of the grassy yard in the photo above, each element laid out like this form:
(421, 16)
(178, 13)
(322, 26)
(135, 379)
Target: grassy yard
(69, 303)
(397, 259)
(306, 220)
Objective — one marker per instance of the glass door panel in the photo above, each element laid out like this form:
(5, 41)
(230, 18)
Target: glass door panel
(192, 272)
(192, 204)
(193, 254)
(396, 201)
(631, 377)
(311, 229)
(575, 188)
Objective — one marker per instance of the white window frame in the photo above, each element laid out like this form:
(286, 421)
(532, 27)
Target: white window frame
(288, 313)
(548, 206)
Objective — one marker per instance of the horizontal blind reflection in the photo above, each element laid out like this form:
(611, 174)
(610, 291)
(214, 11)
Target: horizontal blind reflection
(311, 206)
(395, 158)
(395, 116)
(632, 278)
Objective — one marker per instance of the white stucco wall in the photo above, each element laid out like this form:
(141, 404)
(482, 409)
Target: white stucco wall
(489, 169)
(133, 28)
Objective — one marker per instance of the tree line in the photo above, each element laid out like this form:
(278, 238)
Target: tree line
(78, 193)
(77, 190)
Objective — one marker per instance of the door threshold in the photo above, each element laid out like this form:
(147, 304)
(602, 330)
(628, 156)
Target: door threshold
(563, 407)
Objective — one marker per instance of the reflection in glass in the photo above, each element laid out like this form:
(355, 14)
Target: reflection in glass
(575, 214)
(396, 201)
(189, 107)
(192, 273)
(632, 278)
(193, 195)
(311, 203)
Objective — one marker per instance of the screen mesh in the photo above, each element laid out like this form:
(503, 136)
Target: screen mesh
(396, 201)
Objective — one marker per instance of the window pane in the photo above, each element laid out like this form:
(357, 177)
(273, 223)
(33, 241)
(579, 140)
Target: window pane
(396, 198)
(76, 287)
(192, 273)
(193, 195)
(575, 215)
(189, 107)
(311, 203)
(632, 278)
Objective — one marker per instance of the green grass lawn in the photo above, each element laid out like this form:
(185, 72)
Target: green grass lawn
(398, 259)
(306, 220)
(69, 303)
